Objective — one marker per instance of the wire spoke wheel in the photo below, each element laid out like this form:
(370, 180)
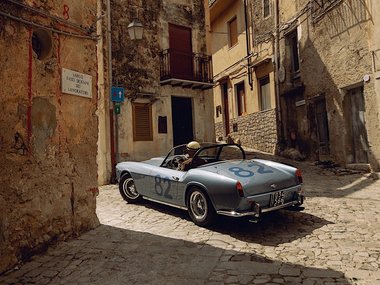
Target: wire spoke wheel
(199, 207)
(128, 189)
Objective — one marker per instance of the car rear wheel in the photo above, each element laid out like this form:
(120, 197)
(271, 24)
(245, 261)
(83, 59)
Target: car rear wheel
(128, 190)
(200, 208)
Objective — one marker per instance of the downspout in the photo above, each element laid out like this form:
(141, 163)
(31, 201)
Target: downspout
(276, 68)
(247, 40)
(114, 123)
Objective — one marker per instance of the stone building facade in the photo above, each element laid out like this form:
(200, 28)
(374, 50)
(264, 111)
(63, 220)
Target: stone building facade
(244, 91)
(166, 76)
(328, 75)
(48, 123)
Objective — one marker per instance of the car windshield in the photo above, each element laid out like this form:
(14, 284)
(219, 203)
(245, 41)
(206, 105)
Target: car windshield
(220, 152)
(209, 153)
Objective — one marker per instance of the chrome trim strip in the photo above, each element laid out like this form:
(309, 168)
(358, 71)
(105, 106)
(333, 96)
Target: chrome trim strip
(255, 214)
(164, 203)
(236, 214)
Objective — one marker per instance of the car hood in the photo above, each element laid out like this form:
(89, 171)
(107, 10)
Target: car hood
(256, 175)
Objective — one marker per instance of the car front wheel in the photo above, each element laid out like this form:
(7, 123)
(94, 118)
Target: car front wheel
(128, 190)
(200, 208)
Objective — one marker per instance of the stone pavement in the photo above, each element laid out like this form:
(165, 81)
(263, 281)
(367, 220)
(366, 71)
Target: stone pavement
(335, 240)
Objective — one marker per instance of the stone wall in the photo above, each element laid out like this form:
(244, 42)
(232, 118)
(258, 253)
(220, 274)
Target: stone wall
(48, 139)
(257, 130)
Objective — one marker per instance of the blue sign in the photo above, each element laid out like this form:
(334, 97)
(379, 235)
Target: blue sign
(117, 94)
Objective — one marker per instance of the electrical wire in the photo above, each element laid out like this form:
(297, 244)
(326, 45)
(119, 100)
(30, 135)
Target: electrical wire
(47, 28)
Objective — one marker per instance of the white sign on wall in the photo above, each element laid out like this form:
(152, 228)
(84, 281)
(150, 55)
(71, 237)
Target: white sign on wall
(76, 83)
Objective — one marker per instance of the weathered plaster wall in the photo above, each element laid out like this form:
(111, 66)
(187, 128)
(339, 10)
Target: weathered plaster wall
(104, 156)
(48, 140)
(136, 67)
(334, 56)
(374, 46)
(223, 55)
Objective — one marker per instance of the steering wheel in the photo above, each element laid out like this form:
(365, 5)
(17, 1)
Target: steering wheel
(176, 161)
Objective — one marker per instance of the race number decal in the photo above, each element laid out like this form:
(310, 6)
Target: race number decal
(160, 188)
(241, 172)
(238, 171)
(261, 169)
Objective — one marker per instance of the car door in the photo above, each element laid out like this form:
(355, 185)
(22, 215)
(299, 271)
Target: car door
(163, 185)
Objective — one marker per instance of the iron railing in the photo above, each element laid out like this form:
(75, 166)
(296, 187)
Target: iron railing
(186, 66)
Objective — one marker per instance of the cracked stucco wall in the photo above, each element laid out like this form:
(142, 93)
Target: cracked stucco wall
(48, 139)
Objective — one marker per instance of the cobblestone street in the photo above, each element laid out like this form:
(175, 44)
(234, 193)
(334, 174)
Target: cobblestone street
(335, 240)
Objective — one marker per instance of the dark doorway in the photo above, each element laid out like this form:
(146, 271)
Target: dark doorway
(226, 111)
(357, 142)
(182, 119)
(181, 57)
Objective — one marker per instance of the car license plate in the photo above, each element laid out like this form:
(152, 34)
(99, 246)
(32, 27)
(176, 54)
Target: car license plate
(277, 199)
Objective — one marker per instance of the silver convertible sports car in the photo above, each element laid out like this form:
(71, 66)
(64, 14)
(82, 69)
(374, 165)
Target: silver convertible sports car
(226, 183)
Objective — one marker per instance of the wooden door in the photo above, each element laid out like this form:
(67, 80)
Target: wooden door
(226, 111)
(181, 57)
(358, 129)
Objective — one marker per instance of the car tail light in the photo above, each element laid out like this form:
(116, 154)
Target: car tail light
(299, 176)
(239, 188)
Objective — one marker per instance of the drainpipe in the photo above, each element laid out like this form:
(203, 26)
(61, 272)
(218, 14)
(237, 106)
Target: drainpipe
(276, 68)
(114, 123)
(247, 40)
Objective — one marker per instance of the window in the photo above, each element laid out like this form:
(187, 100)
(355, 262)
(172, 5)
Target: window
(294, 56)
(142, 122)
(266, 8)
(162, 125)
(232, 32)
(264, 96)
(240, 98)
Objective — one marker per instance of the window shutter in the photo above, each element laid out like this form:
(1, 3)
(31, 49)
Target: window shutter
(142, 122)
(232, 25)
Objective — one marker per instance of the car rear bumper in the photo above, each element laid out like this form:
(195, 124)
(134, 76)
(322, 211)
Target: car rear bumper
(257, 210)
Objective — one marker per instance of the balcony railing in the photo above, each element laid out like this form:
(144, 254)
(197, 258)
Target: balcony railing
(186, 69)
(210, 2)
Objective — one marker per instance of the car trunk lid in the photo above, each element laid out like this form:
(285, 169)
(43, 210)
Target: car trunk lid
(256, 176)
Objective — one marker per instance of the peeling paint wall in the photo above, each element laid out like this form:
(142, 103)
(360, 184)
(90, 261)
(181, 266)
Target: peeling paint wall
(136, 67)
(48, 139)
(334, 57)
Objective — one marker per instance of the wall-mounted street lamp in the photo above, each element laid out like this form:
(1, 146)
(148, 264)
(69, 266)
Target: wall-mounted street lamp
(135, 30)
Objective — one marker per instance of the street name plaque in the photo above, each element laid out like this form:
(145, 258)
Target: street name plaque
(76, 83)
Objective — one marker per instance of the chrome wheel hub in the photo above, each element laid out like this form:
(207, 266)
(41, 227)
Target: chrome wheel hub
(198, 205)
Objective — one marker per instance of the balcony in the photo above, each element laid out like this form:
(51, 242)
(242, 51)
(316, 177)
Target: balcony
(188, 70)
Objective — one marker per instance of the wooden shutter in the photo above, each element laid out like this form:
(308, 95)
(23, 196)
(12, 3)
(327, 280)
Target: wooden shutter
(232, 31)
(142, 122)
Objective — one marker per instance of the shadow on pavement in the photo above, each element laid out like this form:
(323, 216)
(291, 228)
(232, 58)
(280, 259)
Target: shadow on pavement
(110, 255)
(273, 229)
